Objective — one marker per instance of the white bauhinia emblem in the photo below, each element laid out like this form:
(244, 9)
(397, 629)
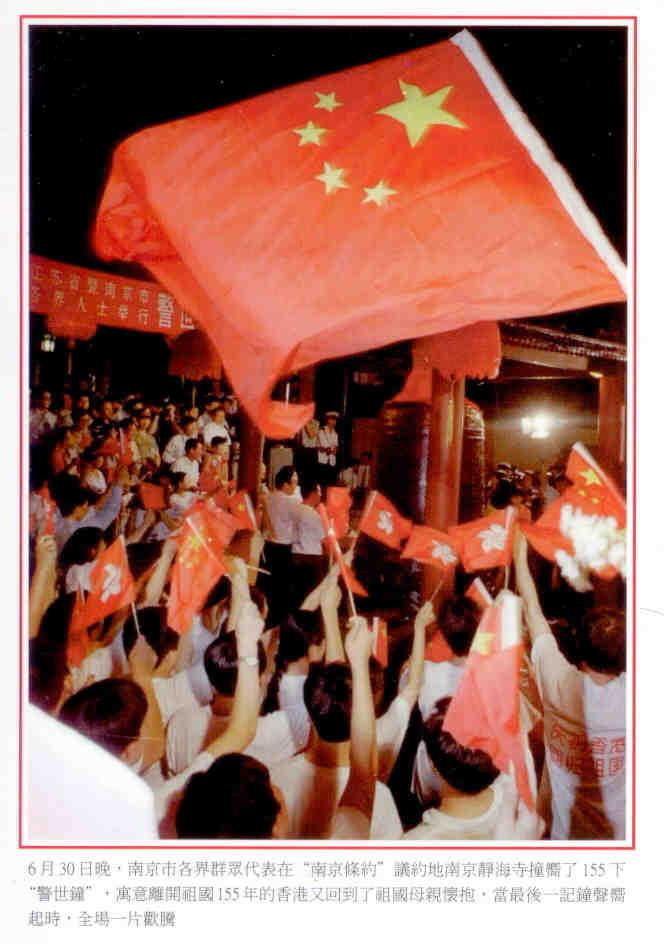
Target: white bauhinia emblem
(385, 522)
(493, 539)
(112, 583)
(443, 552)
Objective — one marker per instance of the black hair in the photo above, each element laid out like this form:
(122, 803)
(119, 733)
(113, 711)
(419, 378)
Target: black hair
(602, 640)
(503, 494)
(109, 712)
(47, 672)
(468, 770)
(308, 486)
(233, 799)
(190, 444)
(158, 634)
(328, 697)
(297, 632)
(220, 591)
(217, 441)
(186, 420)
(70, 495)
(284, 475)
(54, 626)
(81, 547)
(220, 661)
(458, 619)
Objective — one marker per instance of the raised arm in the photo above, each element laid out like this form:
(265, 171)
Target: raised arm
(534, 618)
(361, 787)
(155, 584)
(241, 729)
(42, 586)
(330, 599)
(425, 616)
(142, 660)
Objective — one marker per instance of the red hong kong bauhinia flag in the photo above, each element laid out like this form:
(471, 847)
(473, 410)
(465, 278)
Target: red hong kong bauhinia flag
(436, 205)
(484, 713)
(338, 502)
(479, 594)
(111, 587)
(486, 542)
(583, 531)
(381, 521)
(429, 546)
(206, 532)
(438, 649)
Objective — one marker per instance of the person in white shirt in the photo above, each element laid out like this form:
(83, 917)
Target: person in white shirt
(279, 527)
(216, 427)
(189, 463)
(474, 794)
(42, 420)
(328, 447)
(309, 562)
(175, 447)
(584, 717)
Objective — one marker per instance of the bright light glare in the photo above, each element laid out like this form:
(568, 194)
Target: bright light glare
(537, 426)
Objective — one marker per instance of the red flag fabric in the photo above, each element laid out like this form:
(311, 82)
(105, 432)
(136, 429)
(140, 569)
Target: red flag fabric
(47, 517)
(485, 711)
(151, 496)
(473, 351)
(436, 205)
(596, 492)
(486, 542)
(206, 531)
(379, 647)
(432, 547)
(547, 541)
(126, 457)
(352, 583)
(338, 502)
(437, 649)
(241, 508)
(382, 522)
(111, 588)
(479, 594)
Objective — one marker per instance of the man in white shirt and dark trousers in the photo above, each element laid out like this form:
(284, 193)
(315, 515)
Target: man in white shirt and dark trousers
(309, 560)
(328, 447)
(280, 517)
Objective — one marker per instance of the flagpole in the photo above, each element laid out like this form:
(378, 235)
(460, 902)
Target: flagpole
(439, 586)
(135, 615)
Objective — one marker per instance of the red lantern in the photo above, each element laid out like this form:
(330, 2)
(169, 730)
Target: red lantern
(68, 326)
(194, 356)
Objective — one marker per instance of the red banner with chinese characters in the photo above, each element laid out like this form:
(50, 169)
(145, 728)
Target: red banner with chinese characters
(64, 291)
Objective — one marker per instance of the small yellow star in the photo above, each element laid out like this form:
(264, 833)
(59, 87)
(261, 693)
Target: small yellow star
(591, 477)
(332, 177)
(379, 193)
(482, 643)
(310, 134)
(418, 111)
(328, 102)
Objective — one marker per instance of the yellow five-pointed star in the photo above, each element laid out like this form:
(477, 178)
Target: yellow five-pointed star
(328, 102)
(418, 111)
(332, 177)
(591, 477)
(310, 134)
(378, 194)
(482, 643)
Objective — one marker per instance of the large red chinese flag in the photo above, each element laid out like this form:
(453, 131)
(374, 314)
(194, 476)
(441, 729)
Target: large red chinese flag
(401, 198)
(596, 492)
(198, 566)
(429, 546)
(486, 542)
(111, 588)
(382, 522)
(485, 711)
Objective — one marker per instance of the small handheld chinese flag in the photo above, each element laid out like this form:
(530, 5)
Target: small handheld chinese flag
(380, 647)
(429, 546)
(199, 563)
(484, 713)
(478, 593)
(353, 585)
(48, 525)
(111, 588)
(241, 508)
(151, 496)
(486, 542)
(382, 522)
(437, 649)
(338, 502)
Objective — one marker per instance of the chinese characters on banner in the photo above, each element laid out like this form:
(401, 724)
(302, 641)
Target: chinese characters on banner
(58, 289)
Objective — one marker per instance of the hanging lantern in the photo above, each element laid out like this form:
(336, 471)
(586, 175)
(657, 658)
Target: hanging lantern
(69, 326)
(194, 356)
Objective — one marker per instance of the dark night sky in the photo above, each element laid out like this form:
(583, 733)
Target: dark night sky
(93, 86)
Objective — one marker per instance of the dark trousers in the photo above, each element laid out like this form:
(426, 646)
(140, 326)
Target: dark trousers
(278, 586)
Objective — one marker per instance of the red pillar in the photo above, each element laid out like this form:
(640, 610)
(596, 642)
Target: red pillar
(611, 447)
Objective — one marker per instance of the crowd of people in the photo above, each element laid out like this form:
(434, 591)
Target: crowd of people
(271, 717)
